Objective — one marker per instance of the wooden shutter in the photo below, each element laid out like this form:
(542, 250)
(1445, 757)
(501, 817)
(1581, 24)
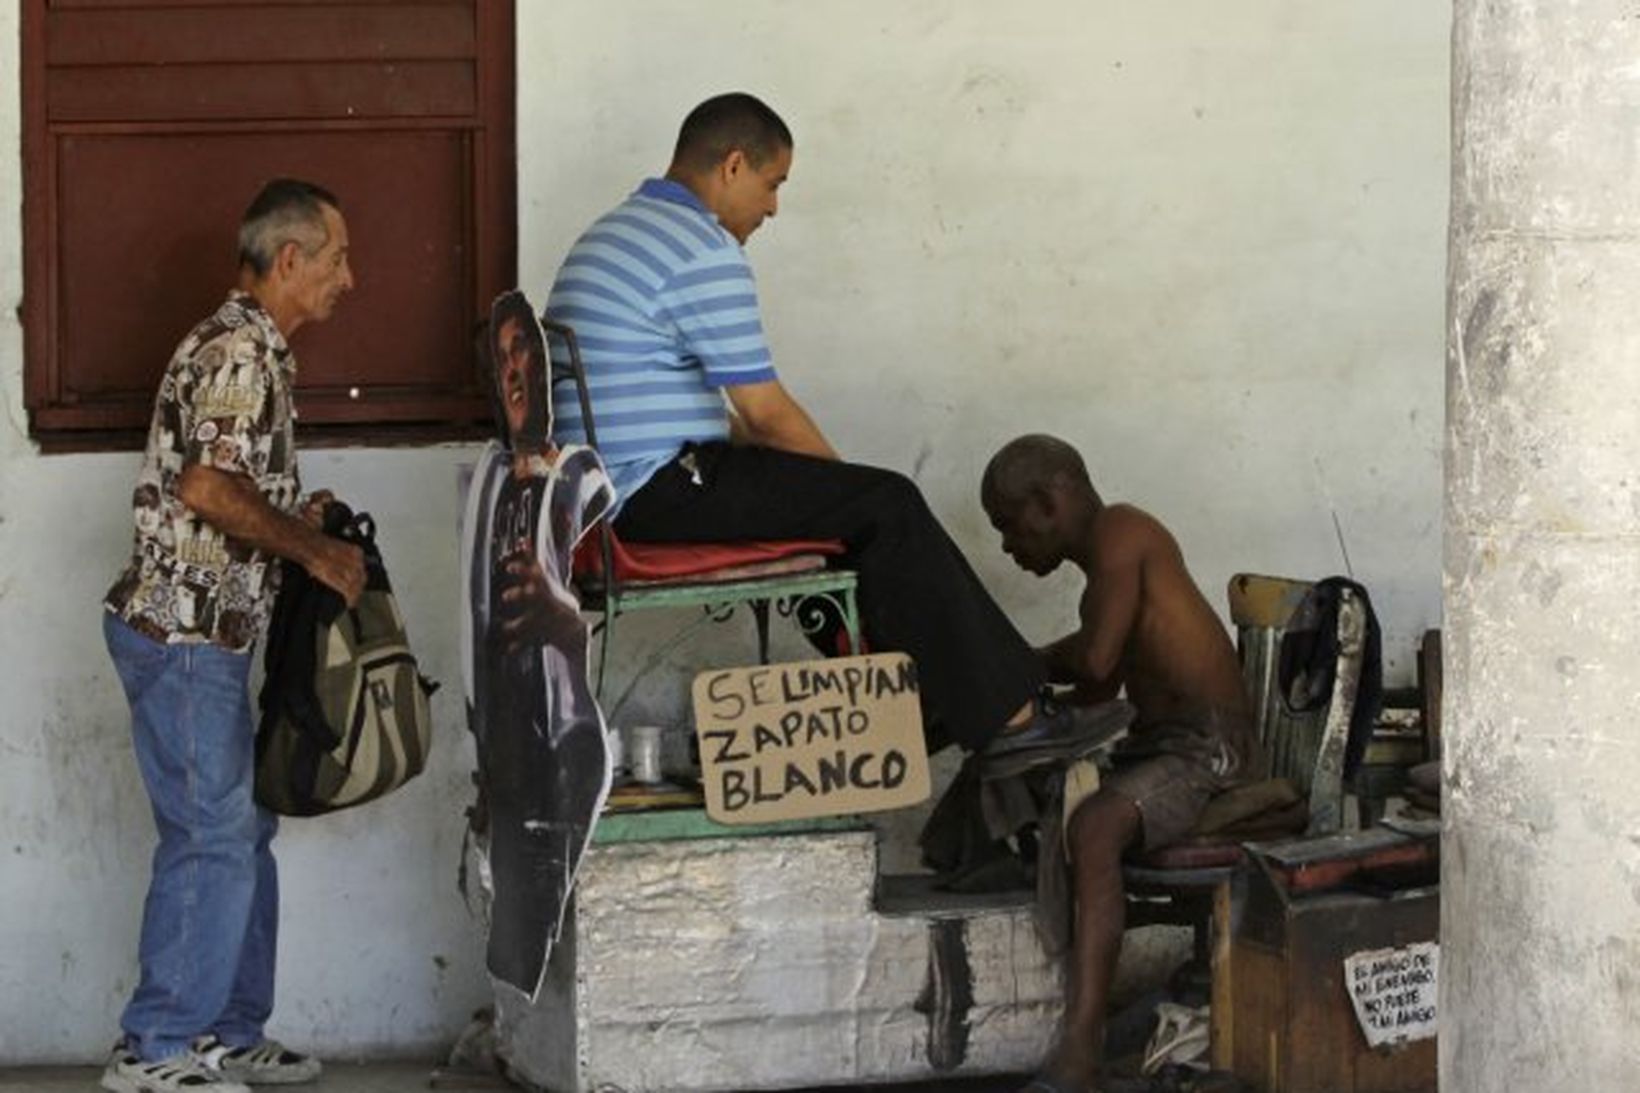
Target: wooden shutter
(149, 126)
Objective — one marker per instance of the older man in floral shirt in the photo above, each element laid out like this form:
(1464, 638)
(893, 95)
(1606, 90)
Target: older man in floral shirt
(217, 501)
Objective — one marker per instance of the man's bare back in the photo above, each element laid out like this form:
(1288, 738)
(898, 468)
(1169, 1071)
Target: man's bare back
(1176, 659)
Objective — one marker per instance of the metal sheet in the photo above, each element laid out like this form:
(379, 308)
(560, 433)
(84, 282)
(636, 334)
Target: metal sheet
(761, 963)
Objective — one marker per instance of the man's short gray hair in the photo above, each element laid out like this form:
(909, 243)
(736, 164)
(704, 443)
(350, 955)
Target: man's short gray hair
(287, 210)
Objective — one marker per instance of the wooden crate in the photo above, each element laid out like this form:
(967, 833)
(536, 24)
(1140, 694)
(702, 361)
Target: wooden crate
(1283, 1019)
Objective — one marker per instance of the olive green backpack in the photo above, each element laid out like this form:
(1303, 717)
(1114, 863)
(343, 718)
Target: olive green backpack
(345, 716)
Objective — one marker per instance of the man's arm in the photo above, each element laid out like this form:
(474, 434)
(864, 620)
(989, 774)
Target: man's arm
(1092, 656)
(1063, 660)
(1062, 657)
(233, 505)
(767, 415)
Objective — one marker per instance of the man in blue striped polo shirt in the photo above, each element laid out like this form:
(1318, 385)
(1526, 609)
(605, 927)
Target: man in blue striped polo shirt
(704, 444)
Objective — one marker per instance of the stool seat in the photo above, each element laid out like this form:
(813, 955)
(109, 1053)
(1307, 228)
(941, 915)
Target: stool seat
(789, 576)
(1191, 855)
(640, 564)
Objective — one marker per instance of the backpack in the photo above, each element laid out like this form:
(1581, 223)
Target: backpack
(345, 716)
(1309, 661)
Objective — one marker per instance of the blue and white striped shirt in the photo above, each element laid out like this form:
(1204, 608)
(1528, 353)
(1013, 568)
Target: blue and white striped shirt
(664, 306)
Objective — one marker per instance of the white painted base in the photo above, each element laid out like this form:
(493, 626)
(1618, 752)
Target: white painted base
(764, 963)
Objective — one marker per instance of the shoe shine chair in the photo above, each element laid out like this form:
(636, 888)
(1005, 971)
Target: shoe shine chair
(788, 577)
(1177, 885)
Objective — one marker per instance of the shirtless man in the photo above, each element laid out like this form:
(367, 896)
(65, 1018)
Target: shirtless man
(1146, 626)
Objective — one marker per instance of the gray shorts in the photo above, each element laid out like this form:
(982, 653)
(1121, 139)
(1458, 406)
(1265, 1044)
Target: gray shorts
(1171, 770)
(1170, 790)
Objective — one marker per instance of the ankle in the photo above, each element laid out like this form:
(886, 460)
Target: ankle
(1041, 704)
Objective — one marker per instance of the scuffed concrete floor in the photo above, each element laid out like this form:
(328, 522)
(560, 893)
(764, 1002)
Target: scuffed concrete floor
(412, 1077)
(338, 1078)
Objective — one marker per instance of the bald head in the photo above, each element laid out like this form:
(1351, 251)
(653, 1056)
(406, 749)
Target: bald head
(1037, 493)
(1034, 465)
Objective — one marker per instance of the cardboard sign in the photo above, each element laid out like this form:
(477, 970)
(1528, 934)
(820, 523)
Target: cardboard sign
(543, 755)
(1394, 992)
(810, 738)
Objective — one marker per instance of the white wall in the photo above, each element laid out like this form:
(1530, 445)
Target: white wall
(1201, 241)
(1205, 244)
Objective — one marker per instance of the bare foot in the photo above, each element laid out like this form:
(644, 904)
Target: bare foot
(1069, 1069)
(1042, 1083)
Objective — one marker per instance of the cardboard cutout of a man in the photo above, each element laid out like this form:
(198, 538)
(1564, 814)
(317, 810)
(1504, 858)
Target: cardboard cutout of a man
(541, 748)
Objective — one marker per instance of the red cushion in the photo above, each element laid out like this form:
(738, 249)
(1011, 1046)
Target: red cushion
(677, 561)
(1203, 855)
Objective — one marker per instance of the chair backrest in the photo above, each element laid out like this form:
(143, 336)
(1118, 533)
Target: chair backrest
(1306, 748)
(572, 371)
(575, 371)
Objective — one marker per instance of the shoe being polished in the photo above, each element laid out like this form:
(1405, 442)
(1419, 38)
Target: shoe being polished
(1054, 726)
(267, 1063)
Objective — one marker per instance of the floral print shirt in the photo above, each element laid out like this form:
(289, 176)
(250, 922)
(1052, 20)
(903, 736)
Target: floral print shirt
(225, 402)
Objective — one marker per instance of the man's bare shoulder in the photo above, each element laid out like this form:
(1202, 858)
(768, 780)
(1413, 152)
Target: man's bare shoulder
(1127, 530)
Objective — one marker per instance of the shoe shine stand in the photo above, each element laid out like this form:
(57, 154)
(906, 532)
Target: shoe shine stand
(702, 957)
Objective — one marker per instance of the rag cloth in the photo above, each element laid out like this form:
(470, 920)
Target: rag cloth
(996, 802)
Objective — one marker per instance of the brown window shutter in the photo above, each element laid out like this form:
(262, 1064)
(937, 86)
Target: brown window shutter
(149, 126)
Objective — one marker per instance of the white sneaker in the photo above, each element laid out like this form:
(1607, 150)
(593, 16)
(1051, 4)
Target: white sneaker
(268, 1063)
(183, 1072)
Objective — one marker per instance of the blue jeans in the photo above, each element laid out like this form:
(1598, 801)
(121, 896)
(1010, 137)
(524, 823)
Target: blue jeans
(211, 921)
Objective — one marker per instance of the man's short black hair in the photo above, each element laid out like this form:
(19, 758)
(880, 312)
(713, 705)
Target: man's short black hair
(1030, 464)
(286, 210)
(724, 123)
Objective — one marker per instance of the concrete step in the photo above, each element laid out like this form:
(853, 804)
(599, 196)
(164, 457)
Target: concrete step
(768, 962)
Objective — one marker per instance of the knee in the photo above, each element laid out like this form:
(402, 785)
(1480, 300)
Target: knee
(229, 820)
(1102, 828)
(896, 496)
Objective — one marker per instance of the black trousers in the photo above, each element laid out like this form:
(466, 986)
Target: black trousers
(918, 594)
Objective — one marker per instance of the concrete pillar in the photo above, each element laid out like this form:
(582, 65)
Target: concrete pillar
(1540, 975)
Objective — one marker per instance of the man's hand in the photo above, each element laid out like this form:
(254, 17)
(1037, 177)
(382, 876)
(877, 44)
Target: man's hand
(334, 563)
(531, 613)
(312, 511)
(338, 565)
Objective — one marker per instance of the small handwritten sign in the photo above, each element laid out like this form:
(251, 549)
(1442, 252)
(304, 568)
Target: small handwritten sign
(810, 738)
(1394, 992)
